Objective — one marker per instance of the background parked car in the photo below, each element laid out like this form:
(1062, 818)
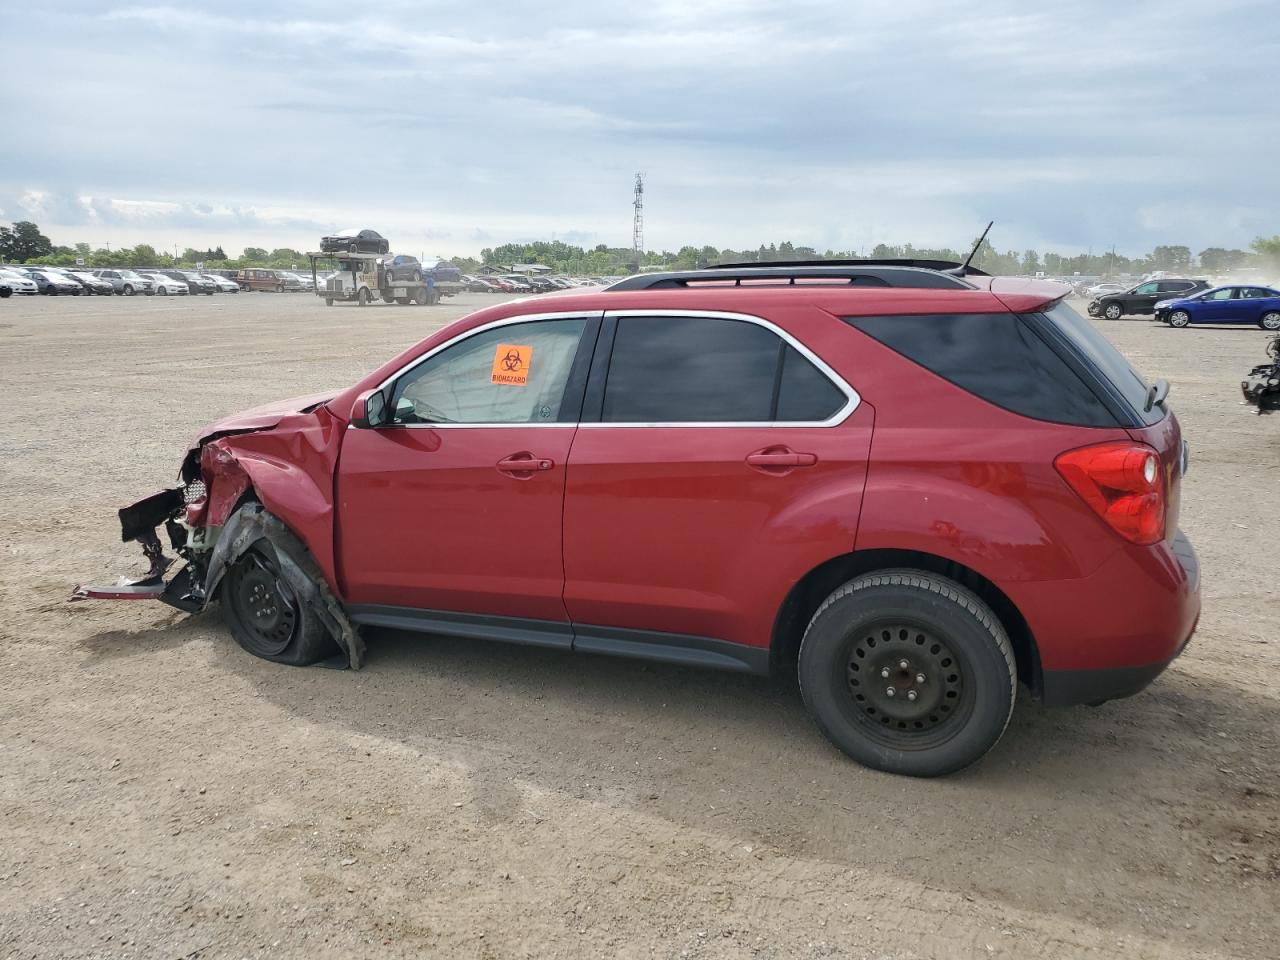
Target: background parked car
(166, 286)
(1102, 289)
(91, 283)
(194, 281)
(221, 284)
(127, 282)
(1232, 304)
(257, 278)
(1142, 299)
(52, 283)
(19, 282)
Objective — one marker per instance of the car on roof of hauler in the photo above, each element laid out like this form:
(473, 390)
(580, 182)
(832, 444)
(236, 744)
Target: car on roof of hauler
(908, 483)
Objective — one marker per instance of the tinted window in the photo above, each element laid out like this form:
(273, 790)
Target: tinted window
(995, 356)
(511, 374)
(1101, 356)
(1174, 286)
(806, 394)
(690, 370)
(1255, 293)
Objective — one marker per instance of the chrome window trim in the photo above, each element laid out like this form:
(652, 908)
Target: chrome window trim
(492, 325)
(852, 399)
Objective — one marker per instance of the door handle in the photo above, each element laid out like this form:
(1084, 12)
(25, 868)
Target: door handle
(779, 461)
(523, 465)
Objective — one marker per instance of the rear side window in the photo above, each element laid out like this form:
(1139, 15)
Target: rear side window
(995, 356)
(711, 370)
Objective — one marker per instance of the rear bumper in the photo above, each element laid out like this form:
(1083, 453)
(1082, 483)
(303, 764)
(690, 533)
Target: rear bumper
(1109, 635)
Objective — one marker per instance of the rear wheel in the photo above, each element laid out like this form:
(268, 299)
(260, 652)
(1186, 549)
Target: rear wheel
(420, 297)
(265, 615)
(362, 298)
(1270, 320)
(1179, 318)
(1113, 311)
(328, 301)
(908, 672)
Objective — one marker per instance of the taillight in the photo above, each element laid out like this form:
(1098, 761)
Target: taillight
(1123, 482)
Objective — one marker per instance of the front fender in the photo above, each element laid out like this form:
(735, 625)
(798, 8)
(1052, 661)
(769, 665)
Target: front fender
(290, 470)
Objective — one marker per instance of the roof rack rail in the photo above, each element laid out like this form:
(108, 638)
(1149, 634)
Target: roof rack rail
(943, 266)
(861, 273)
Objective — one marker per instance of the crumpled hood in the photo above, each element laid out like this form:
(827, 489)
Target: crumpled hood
(262, 418)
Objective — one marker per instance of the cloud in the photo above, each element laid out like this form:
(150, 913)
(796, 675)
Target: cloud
(835, 126)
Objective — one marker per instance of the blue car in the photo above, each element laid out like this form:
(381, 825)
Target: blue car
(1234, 304)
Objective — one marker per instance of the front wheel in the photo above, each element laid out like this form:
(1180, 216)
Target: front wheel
(1113, 311)
(128, 290)
(908, 672)
(1179, 318)
(1270, 320)
(328, 301)
(265, 614)
(362, 298)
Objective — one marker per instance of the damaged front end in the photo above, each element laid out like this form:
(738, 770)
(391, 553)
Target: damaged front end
(244, 482)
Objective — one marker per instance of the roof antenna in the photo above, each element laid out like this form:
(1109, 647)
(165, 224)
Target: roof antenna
(963, 269)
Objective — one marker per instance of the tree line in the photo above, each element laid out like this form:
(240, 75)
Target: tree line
(24, 243)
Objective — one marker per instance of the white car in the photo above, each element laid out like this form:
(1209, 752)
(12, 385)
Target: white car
(167, 285)
(18, 283)
(222, 283)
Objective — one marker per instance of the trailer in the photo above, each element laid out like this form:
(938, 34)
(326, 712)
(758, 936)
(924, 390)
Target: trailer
(362, 278)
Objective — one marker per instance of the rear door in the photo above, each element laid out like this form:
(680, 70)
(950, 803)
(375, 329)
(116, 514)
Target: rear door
(717, 462)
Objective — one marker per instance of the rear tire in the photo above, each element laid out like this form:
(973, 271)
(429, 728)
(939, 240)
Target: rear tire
(328, 301)
(1113, 311)
(1270, 320)
(950, 703)
(1179, 318)
(362, 298)
(265, 615)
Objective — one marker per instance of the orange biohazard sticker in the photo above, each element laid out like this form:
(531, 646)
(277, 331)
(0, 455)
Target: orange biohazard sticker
(511, 365)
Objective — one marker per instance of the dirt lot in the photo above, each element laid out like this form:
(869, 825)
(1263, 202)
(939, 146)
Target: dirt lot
(164, 794)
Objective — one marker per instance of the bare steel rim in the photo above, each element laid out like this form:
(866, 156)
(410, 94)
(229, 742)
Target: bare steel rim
(907, 688)
(263, 603)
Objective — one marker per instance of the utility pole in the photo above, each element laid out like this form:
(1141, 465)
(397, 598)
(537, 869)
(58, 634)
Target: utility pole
(637, 223)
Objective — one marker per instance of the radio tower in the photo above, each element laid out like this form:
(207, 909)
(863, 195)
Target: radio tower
(637, 224)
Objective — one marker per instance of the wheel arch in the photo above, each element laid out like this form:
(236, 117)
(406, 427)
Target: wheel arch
(804, 598)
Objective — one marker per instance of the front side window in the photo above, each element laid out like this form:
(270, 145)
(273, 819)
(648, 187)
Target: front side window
(711, 370)
(510, 374)
(1146, 288)
(1223, 294)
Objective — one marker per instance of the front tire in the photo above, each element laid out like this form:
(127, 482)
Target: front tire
(940, 712)
(1270, 320)
(362, 298)
(128, 290)
(1179, 318)
(265, 615)
(1113, 311)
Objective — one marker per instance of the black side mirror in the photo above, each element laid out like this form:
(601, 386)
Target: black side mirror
(370, 410)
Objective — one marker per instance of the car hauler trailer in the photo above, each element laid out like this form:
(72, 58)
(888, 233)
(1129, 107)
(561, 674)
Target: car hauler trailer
(361, 278)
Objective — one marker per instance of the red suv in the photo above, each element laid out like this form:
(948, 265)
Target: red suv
(912, 486)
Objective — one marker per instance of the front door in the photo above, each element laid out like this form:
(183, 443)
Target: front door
(1142, 299)
(456, 505)
(1217, 306)
(723, 463)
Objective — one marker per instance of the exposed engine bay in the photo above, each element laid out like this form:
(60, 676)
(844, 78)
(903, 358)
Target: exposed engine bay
(1261, 388)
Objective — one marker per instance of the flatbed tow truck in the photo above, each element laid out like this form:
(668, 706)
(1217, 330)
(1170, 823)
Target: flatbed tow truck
(362, 278)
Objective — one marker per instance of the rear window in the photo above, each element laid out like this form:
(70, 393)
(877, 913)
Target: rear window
(1097, 351)
(995, 356)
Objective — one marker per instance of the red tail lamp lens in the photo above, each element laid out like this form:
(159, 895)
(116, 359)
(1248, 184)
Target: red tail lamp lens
(1124, 485)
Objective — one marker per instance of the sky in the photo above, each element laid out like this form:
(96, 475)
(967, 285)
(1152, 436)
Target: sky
(450, 127)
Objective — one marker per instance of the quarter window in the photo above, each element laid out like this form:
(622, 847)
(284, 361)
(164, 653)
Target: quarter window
(515, 373)
(711, 370)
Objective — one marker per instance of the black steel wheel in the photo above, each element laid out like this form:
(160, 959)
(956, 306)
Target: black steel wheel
(908, 672)
(906, 683)
(266, 615)
(264, 607)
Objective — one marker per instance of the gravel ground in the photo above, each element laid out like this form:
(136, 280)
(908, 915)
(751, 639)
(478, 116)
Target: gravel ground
(164, 794)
